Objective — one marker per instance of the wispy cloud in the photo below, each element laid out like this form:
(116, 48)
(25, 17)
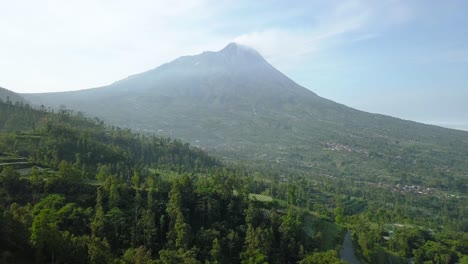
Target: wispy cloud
(342, 22)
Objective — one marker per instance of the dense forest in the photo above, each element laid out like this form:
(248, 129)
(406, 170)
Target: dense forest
(75, 190)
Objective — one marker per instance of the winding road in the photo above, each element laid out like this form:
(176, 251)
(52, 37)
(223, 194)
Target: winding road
(347, 250)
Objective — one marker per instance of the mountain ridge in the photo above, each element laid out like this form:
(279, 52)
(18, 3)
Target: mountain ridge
(234, 103)
(8, 95)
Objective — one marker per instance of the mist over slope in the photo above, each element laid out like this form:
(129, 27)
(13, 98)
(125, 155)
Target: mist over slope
(235, 103)
(7, 95)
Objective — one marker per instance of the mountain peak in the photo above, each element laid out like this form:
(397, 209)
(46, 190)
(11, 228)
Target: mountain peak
(234, 46)
(236, 49)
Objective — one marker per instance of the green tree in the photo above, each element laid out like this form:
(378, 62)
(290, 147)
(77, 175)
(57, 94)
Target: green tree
(98, 250)
(45, 235)
(328, 257)
(117, 219)
(10, 182)
(182, 231)
(103, 173)
(179, 256)
(288, 230)
(216, 253)
(97, 225)
(179, 231)
(257, 243)
(339, 214)
(69, 173)
(149, 219)
(436, 253)
(137, 256)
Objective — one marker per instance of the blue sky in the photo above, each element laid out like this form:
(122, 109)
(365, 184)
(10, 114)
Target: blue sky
(407, 59)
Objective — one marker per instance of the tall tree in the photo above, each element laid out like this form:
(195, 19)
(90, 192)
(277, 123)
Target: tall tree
(97, 225)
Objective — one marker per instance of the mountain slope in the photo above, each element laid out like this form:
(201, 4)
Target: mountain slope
(7, 95)
(47, 138)
(235, 103)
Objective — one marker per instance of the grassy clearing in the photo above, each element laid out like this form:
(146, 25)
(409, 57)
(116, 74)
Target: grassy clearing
(260, 198)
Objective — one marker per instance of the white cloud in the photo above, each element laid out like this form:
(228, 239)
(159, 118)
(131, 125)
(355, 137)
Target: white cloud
(277, 45)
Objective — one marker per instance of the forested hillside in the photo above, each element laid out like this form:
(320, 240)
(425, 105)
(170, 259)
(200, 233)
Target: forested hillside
(75, 191)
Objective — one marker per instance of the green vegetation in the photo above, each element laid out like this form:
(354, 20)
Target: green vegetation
(91, 194)
(73, 190)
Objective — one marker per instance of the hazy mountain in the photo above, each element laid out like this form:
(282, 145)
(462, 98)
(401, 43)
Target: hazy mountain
(6, 94)
(234, 102)
(198, 97)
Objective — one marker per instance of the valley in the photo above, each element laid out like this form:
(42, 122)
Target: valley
(220, 158)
